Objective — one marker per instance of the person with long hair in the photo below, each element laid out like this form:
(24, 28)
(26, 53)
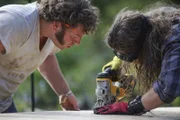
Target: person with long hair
(150, 42)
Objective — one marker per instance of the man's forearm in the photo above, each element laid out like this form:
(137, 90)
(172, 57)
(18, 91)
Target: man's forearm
(151, 100)
(51, 72)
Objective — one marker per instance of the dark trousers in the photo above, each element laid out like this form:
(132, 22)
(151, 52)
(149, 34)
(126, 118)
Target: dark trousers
(11, 109)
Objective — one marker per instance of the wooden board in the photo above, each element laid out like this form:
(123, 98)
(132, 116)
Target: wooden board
(156, 114)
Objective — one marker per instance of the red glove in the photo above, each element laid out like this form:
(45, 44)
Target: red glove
(133, 107)
(115, 108)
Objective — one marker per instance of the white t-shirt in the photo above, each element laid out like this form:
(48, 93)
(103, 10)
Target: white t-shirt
(20, 35)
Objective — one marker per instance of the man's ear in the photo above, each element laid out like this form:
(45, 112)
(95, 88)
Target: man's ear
(57, 25)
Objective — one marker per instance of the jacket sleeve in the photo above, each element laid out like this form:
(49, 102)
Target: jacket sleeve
(168, 84)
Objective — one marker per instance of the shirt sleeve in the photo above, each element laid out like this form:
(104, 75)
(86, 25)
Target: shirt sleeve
(13, 31)
(55, 50)
(168, 84)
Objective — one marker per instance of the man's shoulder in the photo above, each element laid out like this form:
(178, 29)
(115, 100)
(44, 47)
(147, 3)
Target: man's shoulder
(19, 10)
(19, 16)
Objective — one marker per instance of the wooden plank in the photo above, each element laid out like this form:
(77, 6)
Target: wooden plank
(156, 114)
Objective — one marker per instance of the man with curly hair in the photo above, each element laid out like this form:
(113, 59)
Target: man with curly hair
(149, 41)
(29, 37)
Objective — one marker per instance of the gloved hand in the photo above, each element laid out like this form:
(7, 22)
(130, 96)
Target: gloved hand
(114, 64)
(133, 107)
(115, 108)
(68, 101)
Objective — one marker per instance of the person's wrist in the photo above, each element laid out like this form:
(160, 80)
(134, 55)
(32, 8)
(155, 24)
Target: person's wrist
(135, 107)
(63, 97)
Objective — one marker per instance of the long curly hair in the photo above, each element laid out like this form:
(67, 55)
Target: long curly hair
(72, 12)
(124, 35)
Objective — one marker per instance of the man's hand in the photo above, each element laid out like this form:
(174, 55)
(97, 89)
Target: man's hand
(68, 102)
(115, 108)
(114, 64)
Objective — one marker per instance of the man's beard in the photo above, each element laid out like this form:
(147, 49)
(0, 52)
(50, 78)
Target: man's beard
(60, 35)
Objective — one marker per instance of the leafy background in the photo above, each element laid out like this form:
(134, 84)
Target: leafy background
(79, 64)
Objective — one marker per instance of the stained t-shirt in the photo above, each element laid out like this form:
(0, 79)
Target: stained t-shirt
(20, 35)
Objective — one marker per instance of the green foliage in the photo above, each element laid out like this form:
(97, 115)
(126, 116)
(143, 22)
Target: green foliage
(79, 64)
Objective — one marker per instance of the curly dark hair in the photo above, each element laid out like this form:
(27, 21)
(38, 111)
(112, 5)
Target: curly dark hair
(124, 34)
(72, 12)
